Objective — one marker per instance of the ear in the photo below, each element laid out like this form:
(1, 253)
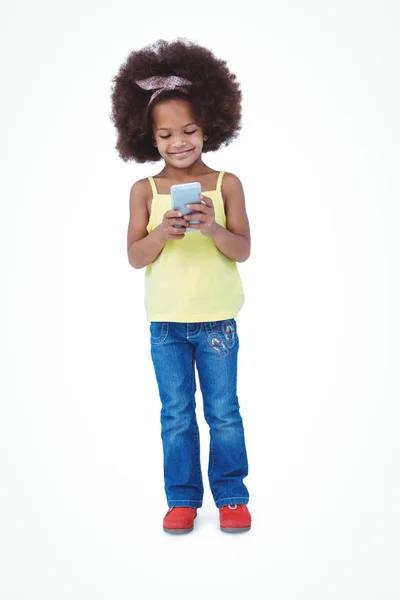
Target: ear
(205, 138)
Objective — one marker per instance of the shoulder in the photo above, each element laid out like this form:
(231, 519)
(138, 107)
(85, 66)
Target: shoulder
(141, 192)
(141, 187)
(231, 183)
(235, 206)
(231, 187)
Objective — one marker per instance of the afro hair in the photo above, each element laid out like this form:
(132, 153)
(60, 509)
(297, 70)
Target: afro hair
(215, 96)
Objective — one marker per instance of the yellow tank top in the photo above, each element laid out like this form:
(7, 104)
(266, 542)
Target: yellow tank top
(191, 281)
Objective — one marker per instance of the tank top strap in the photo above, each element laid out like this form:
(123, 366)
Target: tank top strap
(219, 181)
(153, 186)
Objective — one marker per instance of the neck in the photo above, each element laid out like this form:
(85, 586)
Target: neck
(171, 172)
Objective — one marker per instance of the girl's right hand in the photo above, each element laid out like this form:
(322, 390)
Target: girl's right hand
(167, 229)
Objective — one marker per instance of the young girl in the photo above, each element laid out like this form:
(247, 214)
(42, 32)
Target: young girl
(176, 101)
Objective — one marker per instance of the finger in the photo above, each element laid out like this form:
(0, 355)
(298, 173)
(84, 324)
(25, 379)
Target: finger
(178, 232)
(199, 221)
(195, 214)
(173, 222)
(207, 201)
(194, 217)
(195, 225)
(170, 214)
(196, 207)
(201, 210)
(205, 205)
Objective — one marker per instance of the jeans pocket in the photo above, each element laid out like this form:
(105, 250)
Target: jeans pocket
(158, 332)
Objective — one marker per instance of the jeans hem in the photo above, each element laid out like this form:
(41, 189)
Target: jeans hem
(232, 500)
(190, 503)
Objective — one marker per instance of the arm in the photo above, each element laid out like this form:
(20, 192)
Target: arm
(143, 248)
(234, 240)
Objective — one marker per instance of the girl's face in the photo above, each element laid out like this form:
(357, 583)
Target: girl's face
(179, 139)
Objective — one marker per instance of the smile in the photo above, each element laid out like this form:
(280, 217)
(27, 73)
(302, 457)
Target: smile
(183, 153)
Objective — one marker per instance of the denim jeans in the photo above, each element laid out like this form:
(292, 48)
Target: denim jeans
(213, 347)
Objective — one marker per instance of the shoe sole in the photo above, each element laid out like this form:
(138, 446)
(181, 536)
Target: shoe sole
(235, 529)
(177, 531)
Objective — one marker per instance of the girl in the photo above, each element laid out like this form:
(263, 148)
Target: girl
(176, 101)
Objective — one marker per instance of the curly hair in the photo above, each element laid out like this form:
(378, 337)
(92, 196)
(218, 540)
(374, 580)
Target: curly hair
(214, 95)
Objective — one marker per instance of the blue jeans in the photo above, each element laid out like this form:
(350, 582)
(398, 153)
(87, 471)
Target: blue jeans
(213, 347)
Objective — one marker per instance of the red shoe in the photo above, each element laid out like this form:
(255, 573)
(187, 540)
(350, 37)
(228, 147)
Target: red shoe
(179, 519)
(234, 518)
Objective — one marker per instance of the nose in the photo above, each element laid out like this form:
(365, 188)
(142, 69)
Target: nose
(178, 142)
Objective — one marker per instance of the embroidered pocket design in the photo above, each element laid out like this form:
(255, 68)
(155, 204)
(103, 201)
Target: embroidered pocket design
(216, 342)
(229, 333)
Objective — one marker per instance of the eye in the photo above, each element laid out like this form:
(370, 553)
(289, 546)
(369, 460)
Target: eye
(164, 137)
(190, 132)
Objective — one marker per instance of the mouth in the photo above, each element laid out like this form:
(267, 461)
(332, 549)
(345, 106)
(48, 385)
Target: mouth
(182, 153)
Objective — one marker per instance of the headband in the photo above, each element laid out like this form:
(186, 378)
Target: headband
(161, 84)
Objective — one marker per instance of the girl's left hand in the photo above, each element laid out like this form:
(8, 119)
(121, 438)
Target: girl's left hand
(204, 213)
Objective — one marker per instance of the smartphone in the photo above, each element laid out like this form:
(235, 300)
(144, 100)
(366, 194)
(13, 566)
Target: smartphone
(185, 193)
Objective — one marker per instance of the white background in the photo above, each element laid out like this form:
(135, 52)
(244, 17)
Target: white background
(82, 496)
